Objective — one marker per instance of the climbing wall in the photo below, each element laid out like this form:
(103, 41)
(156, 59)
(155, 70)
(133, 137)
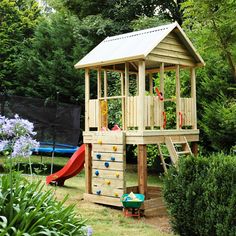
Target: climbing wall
(108, 163)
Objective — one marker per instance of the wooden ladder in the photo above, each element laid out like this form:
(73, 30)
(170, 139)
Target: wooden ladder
(174, 148)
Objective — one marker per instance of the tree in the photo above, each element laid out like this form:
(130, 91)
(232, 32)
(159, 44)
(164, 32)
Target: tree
(211, 26)
(47, 65)
(218, 20)
(17, 22)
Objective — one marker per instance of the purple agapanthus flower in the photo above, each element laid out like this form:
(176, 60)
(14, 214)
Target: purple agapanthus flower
(16, 135)
(23, 146)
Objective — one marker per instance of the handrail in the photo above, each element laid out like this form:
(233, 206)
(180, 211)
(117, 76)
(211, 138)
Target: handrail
(159, 94)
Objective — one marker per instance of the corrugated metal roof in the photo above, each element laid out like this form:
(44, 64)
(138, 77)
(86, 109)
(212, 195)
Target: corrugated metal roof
(124, 47)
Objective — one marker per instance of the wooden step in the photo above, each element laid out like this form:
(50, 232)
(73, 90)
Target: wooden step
(183, 152)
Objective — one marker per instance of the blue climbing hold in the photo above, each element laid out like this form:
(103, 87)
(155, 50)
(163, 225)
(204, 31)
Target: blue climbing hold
(96, 172)
(106, 164)
(99, 192)
(113, 158)
(98, 156)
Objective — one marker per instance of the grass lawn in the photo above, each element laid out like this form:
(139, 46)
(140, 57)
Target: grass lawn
(104, 220)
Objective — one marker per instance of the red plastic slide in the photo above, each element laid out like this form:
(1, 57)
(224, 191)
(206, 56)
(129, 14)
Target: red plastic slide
(72, 168)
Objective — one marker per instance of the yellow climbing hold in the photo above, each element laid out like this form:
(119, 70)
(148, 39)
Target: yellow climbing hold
(108, 182)
(116, 194)
(117, 174)
(99, 141)
(114, 148)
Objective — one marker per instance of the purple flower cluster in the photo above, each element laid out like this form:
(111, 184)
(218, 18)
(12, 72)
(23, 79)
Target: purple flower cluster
(16, 136)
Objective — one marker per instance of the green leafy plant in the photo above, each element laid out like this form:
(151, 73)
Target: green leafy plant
(201, 195)
(35, 212)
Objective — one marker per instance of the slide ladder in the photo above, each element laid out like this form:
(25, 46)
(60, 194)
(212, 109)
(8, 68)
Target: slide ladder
(177, 148)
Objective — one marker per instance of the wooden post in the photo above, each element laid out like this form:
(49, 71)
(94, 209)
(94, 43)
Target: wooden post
(88, 168)
(123, 100)
(99, 94)
(87, 96)
(126, 92)
(142, 169)
(150, 83)
(194, 97)
(178, 108)
(151, 104)
(105, 83)
(194, 148)
(141, 100)
(162, 90)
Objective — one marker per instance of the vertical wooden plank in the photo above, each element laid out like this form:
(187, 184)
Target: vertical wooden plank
(105, 83)
(151, 104)
(105, 95)
(88, 168)
(126, 93)
(194, 98)
(87, 96)
(150, 83)
(142, 169)
(135, 112)
(123, 100)
(99, 94)
(141, 75)
(162, 90)
(178, 108)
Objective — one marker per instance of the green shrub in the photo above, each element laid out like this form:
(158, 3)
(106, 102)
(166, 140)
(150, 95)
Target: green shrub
(35, 212)
(201, 196)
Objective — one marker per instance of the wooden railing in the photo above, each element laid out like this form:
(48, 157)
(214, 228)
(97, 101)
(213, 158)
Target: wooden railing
(153, 115)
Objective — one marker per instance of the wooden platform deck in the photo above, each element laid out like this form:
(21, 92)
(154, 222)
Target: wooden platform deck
(149, 136)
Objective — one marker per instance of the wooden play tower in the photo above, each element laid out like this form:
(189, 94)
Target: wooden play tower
(139, 55)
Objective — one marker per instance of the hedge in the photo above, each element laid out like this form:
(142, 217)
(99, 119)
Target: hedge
(200, 195)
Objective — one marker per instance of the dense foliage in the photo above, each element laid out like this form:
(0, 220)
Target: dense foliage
(35, 212)
(201, 196)
(39, 47)
(46, 67)
(18, 20)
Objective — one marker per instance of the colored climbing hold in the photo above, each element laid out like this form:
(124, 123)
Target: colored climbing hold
(117, 174)
(108, 182)
(98, 192)
(113, 158)
(116, 194)
(96, 172)
(98, 155)
(106, 164)
(99, 141)
(114, 148)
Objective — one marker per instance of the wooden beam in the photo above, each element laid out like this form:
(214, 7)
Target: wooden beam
(105, 83)
(126, 88)
(162, 90)
(142, 169)
(87, 97)
(178, 108)
(167, 68)
(194, 148)
(141, 76)
(194, 97)
(88, 168)
(123, 100)
(99, 94)
(151, 105)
